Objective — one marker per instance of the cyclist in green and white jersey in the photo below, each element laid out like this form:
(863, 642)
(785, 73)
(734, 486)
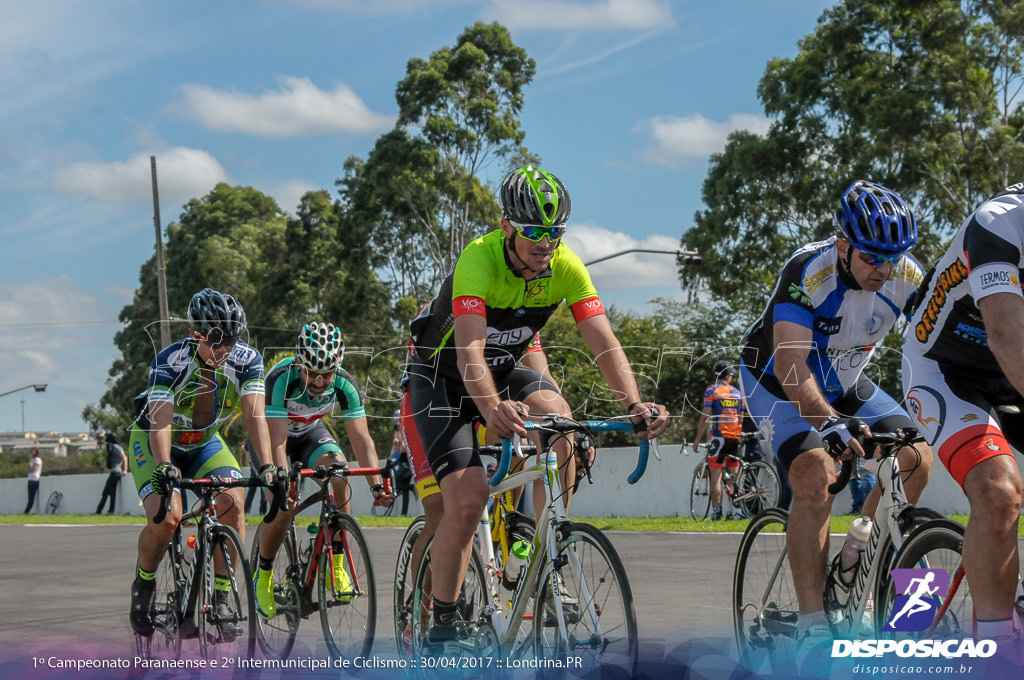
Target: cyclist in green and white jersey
(302, 390)
(195, 385)
(502, 290)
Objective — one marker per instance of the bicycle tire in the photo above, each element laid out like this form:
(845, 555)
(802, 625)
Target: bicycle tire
(476, 634)
(404, 577)
(165, 642)
(759, 488)
(276, 636)
(937, 544)
(700, 492)
(348, 614)
(910, 518)
(763, 596)
(601, 625)
(232, 633)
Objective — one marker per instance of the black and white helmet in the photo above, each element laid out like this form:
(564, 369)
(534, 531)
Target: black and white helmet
(212, 313)
(319, 347)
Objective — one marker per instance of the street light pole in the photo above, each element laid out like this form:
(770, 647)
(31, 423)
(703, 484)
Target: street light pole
(686, 257)
(23, 415)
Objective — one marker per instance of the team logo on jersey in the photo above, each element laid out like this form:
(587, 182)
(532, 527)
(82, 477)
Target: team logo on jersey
(919, 597)
(828, 326)
(536, 287)
(951, 276)
(797, 293)
(916, 400)
(874, 324)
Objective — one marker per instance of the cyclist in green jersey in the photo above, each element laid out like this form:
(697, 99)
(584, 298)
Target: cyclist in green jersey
(302, 390)
(502, 290)
(195, 385)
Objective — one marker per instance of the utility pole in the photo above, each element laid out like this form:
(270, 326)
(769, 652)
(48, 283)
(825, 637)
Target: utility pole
(161, 277)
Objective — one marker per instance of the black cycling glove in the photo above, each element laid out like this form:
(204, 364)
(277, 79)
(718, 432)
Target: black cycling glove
(163, 478)
(836, 434)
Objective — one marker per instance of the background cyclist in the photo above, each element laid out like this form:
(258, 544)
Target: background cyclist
(962, 360)
(502, 290)
(195, 385)
(302, 390)
(722, 421)
(802, 369)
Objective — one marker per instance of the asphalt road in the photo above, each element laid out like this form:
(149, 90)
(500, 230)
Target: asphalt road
(66, 588)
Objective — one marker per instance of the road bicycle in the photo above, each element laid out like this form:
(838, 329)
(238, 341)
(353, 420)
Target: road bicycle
(571, 599)
(304, 563)
(751, 488)
(185, 606)
(764, 600)
(507, 528)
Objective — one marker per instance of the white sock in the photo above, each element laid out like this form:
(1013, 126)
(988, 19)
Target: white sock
(997, 628)
(804, 621)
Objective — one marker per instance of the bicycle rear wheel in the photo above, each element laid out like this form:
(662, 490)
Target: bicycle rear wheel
(348, 601)
(595, 604)
(763, 595)
(759, 488)
(700, 492)
(405, 575)
(935, 545)
(276, 635)
(227, 619)
(165, 642)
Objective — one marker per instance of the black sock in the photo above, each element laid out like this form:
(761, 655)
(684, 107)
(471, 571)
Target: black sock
(444, 612)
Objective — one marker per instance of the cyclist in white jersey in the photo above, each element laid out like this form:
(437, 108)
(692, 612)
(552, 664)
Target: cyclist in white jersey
(963, 372)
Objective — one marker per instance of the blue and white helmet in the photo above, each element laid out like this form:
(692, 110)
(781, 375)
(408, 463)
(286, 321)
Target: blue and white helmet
(875, 219)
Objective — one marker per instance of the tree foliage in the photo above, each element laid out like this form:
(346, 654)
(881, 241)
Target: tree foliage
(419, 192)
(921, 97)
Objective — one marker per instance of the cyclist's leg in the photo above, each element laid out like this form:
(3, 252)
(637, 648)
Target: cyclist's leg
(798, 448)
(215, 458)
(154, 538)
(443, 417)
(715, 477)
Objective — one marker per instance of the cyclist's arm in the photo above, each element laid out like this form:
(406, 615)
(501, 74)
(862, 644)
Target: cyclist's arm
(611, 359)
(161, 413)
(470, 340)
(278, 430)
(363, 446)
(254, 415)
(1003, 314)
(702, 426)
(792, 347)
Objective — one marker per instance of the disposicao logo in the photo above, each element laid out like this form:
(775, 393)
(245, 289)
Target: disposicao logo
(922, 592)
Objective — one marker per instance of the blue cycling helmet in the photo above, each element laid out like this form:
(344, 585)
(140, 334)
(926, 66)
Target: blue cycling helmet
(875, 219)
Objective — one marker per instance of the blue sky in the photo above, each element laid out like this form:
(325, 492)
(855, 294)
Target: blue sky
(629, 100)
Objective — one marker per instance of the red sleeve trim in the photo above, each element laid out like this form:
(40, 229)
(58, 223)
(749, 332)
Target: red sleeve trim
(584, 309)
(535, 345)
(469, 304)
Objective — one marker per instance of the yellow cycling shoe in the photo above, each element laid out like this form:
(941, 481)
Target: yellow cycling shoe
(264, 585)
(342, 583)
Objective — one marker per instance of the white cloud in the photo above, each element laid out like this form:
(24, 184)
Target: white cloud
(635, 270)
(182, 173)
(677, 138)
(289, 193)
(563, 15)
(298, 109)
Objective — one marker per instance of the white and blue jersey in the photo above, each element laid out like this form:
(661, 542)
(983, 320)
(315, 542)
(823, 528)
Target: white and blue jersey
(846, 323)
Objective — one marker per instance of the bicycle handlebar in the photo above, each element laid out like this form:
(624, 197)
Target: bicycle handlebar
(889, 442)
(342, 469)
(563, 425)
(206, 483)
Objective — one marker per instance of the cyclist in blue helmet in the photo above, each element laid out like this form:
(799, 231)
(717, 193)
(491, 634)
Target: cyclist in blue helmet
(802, 372)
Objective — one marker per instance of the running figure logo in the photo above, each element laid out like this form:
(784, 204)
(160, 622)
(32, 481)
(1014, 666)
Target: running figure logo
(922, 592)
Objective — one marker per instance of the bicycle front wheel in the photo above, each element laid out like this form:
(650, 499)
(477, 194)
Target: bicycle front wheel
(935, 545)
(165, 642)
(585, 607)
(763, 595)
(227, 620)
(759, 488)
(276, 635)
(405, 574)
(700, 492)
(346, 591)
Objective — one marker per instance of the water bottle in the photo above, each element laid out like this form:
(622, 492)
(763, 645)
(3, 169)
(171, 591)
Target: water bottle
(856, 542)
(518, 554)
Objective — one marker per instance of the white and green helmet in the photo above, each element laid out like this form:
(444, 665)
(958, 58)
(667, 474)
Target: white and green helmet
(319, 347)
(531, 195)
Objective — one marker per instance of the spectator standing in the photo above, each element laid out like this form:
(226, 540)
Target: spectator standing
(117, 465)
(35, 469)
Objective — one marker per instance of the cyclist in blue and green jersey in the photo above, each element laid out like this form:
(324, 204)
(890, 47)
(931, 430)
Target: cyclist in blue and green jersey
(303, 390)
(503, 288)
(195, 385)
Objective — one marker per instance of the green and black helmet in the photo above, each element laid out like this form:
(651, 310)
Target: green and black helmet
(530, 195)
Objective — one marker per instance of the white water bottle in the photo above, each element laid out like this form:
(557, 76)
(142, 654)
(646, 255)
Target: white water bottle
(856, 542)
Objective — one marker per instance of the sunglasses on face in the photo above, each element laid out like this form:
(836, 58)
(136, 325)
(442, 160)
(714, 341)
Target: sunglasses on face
(534, 233)
(215, 339)
(877, 261)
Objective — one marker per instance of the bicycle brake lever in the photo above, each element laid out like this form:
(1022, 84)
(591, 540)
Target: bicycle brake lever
(654, 449)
